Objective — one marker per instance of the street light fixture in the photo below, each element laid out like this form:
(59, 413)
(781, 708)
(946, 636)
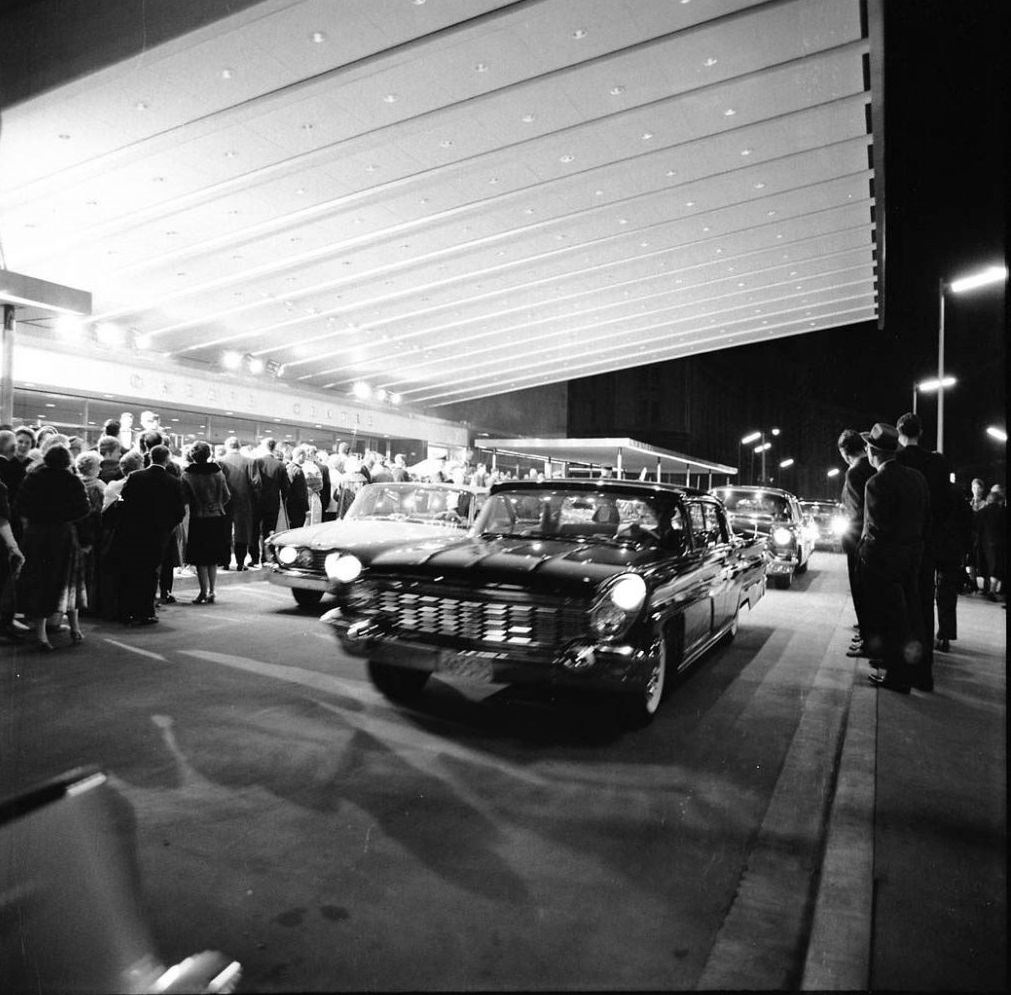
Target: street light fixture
(785, 464)
(753, 437)
(996, 433)
(834, 472)
(759, 449)
(986, 277)
(929, 386)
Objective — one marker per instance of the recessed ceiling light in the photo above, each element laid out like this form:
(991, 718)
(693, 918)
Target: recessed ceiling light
(493, 180)
(769, 214)
(793, 272)
(233, 211)
(157, 179)
(418, 3)
(140, 105)
(729, 112)
(779, 236)
(746, 151)
(706, 228)
(227, 73)
(710, 62)
(740, 285)
(528, 210)
(670, 172)
(622, 221)
(579, 33)
(182, 273)
(719, 251)
(759, 186)
(644, 245)
(318, 37)
(300, 190)
(171, 232)
(689, 203)
(566, 158)
(617, 91)
(446, 143)
(230, 154)
(598, 193)
(646, 136)
(294, 238)
(307, 127)
(481, 67)
(371, 167)
(65, 137)
(390, 98)
(528, 118)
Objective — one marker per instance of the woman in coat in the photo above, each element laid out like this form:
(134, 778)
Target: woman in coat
(297, 502)
(54, 506)
(88, 466)
(206, 495)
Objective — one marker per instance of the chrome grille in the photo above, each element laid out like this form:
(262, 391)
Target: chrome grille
(480, 617)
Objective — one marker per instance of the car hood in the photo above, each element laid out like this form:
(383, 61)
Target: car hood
(361, 534)
(541, 564)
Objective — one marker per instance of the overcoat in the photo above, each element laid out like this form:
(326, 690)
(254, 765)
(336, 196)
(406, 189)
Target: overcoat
(243, 483)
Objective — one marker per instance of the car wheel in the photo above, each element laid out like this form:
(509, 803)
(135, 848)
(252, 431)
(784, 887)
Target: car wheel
(783, 581)
(305, 597)
(734, 624)
(397, 683)
(637, 709)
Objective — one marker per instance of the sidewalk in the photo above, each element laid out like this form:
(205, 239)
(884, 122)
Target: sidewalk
(913, 890)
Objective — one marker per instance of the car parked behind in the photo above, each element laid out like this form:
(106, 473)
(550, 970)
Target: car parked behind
(381, 516)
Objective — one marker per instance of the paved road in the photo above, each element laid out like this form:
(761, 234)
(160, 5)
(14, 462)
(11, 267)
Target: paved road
(290, 816)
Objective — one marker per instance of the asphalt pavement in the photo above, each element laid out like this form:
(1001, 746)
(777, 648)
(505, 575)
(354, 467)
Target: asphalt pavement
(781, 825)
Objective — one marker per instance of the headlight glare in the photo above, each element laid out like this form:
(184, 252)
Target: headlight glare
(618, 606)
(782, 537)
(287, 555)
(629, 593)
(343, 567)
(839, 524)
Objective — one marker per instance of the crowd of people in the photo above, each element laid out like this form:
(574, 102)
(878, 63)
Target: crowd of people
(915, 540)
(105, 530)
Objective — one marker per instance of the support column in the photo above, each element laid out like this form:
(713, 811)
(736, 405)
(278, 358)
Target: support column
(618, 468)
(658, 468)
(7, 367)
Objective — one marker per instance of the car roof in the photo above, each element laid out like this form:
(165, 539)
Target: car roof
(605, 484)
(754, 489)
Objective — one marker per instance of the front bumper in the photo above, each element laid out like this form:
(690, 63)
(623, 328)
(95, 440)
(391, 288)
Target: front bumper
(300, 579)
(781, 563)
(584, 665)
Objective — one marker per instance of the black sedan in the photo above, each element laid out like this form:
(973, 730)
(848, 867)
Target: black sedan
(605, 585)
(774, 515)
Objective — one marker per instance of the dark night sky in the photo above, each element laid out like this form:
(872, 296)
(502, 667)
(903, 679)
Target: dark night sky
(945, 128)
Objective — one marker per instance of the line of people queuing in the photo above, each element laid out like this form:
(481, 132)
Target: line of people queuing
(104, 531)
(913, 541)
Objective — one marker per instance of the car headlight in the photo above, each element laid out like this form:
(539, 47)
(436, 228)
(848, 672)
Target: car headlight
(342, 567)
(287, 555)
(618, 606)
(782, 537)
(840, 524)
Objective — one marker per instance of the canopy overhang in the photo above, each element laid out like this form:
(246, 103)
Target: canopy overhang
(627, 457)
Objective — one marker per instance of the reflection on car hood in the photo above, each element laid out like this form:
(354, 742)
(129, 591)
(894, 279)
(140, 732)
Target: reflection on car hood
(528, 562)
(747, 522)
(361, 532)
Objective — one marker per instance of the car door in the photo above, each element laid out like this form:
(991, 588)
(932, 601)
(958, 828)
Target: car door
(720, 544)
(705, 578)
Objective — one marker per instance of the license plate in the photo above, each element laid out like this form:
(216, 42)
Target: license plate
(469, 667)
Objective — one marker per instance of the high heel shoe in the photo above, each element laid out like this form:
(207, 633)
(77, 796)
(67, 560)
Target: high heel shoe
(45, 646)
(201, 599)
(210, 599)
(76, 636)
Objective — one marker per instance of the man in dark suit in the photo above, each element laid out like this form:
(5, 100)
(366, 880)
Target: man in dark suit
(937, 472)
(274, 484)
(853, 450)
(896, 510)
(152, 506)
(244, 486)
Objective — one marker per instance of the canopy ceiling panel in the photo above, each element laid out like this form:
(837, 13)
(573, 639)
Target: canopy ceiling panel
(455, 199)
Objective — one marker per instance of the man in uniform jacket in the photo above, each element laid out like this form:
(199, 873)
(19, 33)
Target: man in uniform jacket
(244, 484)
(853, 450)
(274, 484)
(151, 507)
(937, 472)
(896, 512)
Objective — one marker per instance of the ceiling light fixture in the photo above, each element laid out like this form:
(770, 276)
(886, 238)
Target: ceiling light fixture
(227, 73)
(318, 37)
(390, 98)
(759, 186)
(646, 136)
(528, 118)
(579, 33)
(746, 151)
(729, 112)
(710, 62)
(231, 360)
(140, 105)
(481, 67)
(617, 91)
(566, 158)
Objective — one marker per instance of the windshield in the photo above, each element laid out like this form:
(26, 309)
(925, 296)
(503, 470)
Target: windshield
(413, 502)
(820, 512)
(580, 514)
(755, 504)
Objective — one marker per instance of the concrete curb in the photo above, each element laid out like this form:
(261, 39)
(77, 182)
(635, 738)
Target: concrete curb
(839, 949)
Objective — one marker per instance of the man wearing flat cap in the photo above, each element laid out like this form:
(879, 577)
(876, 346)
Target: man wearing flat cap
(896, 513)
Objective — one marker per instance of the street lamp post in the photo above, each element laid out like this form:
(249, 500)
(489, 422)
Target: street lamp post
(993, 274)
(761, 448)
